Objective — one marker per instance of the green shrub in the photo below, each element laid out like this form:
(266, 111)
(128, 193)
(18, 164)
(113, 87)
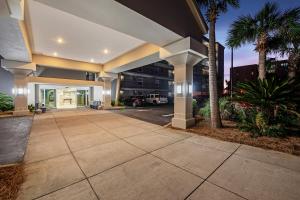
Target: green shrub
(113, 102)
(6, 102)
(205, 110)
(270, 106)
(31, 107)
(195, 107)
(225, 107)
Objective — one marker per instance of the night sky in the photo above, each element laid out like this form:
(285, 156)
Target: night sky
(244, 55)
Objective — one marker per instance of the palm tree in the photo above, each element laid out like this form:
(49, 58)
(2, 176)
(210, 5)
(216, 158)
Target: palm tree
(256, 29)
(287, 40)
(213, 9)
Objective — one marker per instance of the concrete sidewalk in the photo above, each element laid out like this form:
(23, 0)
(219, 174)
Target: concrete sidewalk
(103, 155)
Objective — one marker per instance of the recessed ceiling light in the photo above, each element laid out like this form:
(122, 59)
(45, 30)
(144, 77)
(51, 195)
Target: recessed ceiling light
(105, 51)
(55, 54)
(92, 60)
(60, 40)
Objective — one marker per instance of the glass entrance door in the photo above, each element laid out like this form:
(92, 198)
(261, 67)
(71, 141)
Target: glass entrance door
(50, 98)
(82, 98)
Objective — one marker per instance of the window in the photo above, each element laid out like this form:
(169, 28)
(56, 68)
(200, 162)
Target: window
(170, 73)
(140, 81)
(140, 69)
(157, 83)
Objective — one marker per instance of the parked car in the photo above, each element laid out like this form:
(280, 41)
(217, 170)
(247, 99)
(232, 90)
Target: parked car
(156, 99)
(135, 101)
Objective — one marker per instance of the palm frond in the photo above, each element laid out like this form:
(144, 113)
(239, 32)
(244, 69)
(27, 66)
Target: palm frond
(243, 30)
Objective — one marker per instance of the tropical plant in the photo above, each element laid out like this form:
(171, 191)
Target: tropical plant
(31, 107)
(260, 29)
(213, 9)
(113, 103)
(195, 106)
(287, 40)
(225, 108)
(6, 102)
(267, 101)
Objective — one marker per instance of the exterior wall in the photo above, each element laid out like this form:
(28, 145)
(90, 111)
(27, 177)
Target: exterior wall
(248, 73)
(154, 78)
(98, 93)
(200, 81)
(7, 81)
(31, 94)
(65, 74)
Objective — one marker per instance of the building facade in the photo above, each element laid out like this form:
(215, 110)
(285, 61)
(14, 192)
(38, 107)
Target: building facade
(247, 73)
(158, 78)
(154, 78)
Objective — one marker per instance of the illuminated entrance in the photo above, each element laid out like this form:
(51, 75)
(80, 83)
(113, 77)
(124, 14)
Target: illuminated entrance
(62, 97)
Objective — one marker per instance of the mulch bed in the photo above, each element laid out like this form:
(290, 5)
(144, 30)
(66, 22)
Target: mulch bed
(231, 133)
(11, 178)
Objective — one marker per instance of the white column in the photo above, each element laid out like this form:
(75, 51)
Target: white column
(107, 78)
(36, 94)
(107, 92)
(183, 88)
(20, 92)
(118, 85)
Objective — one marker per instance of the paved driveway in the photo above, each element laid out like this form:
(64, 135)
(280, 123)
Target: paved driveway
(102, 155)
(159, 114)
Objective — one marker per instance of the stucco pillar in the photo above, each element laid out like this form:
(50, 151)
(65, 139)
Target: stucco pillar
(107, 92)
(118, 85)
(183, 88)
(20, 92)
(36, 94)
(107, 78)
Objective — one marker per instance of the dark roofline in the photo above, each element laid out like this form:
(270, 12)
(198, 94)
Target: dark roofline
(198, 16)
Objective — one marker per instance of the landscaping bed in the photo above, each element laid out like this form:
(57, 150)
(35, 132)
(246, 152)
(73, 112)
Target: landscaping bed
(230, 132)
(11, 178)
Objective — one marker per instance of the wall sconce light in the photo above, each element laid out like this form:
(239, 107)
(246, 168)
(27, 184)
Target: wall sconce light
(108, 92)
(178, 88)
(20, 91)
(122, 77)
(190, 88)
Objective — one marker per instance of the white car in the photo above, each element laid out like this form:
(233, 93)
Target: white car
(156, 99)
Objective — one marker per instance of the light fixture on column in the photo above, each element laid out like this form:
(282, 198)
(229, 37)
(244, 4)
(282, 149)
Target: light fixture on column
(178, 88)
(20, 91)
(190, 88)
(108, 92)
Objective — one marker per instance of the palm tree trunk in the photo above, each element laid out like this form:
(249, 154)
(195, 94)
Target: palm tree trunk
(262, 54)
(213, 88)
(262, 64)
(292, 66)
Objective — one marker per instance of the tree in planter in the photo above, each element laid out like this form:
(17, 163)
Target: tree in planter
(213, 9)
(259, 29)
(267, 100)
(6, 102)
